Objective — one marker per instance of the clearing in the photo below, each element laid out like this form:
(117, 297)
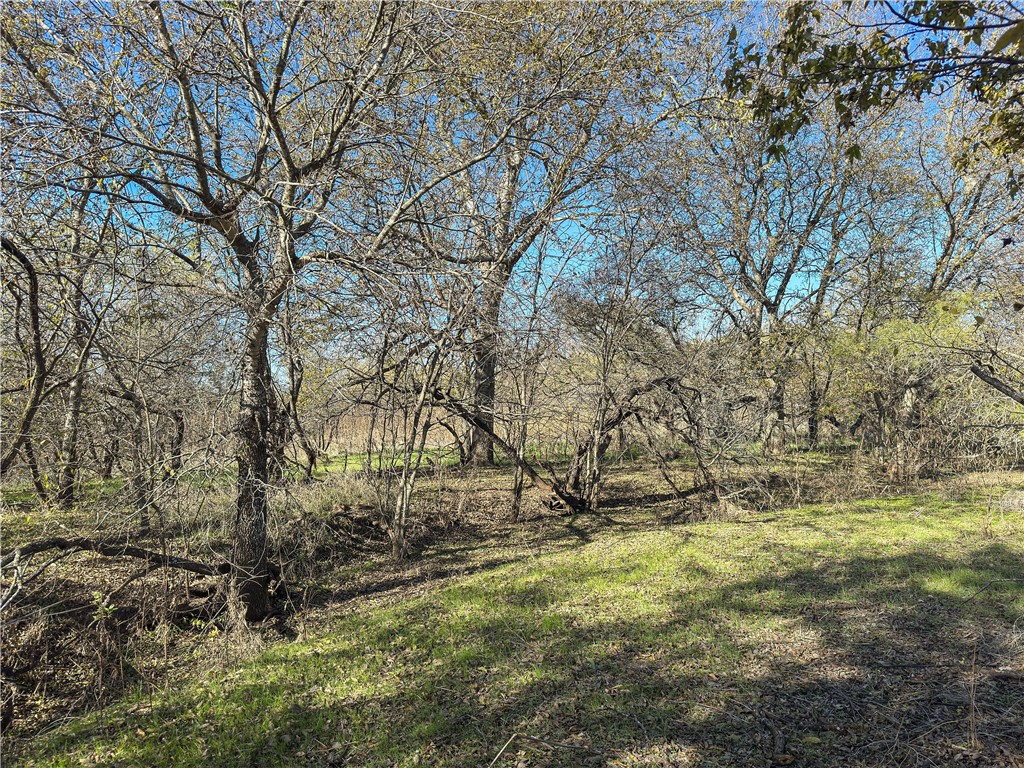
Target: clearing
(885, 631)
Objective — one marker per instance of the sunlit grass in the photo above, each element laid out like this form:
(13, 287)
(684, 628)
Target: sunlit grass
(624, 640)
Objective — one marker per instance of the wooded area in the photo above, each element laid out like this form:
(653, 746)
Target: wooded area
(296, 295)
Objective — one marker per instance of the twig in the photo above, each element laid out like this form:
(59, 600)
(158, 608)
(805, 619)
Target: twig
(634, 718)
(553, 744)
(778, 738)
(536, 740)
(502, 751)
(984, 588)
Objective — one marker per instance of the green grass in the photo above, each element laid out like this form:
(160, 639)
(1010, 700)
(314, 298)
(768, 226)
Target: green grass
(353, 462)
(23, 494)
(643, 644)
(22, 516)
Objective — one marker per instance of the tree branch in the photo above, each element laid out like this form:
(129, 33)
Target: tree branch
(998, 384)
(112, 549)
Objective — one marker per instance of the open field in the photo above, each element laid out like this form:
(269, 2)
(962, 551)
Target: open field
(885, 631)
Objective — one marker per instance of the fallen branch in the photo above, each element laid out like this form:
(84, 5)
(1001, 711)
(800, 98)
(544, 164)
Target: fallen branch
(1010, 675)
(778, 738)
(112, 549)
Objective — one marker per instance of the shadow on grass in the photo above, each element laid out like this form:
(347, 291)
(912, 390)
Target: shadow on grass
(860, 660)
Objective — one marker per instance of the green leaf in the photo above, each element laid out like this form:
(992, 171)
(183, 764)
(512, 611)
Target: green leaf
(1012, 36)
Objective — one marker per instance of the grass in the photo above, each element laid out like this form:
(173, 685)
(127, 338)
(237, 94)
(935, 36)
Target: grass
(822, 635)
(353, 462)
(23, 517)
(23, 494)
(557, 454)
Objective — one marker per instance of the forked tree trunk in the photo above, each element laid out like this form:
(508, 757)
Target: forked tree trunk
(255, 412)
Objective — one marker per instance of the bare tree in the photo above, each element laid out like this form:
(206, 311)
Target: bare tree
(552, 164)
(276, 158)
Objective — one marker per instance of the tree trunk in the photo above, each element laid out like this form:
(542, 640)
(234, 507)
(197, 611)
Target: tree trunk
(485, 368)
(518, 485)
(33, 468)
(174, 458)
(777, 417)
(69, 433)
(139, 481)
(296, 374)
(36, 389)
(254, 425)
(813, 413)
(519, 478)
(106, 463)
(69, 439)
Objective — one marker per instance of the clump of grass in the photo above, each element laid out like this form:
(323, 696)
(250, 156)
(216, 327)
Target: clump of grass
(316, 526)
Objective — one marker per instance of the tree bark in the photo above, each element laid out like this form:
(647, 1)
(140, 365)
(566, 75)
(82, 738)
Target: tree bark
(174, 458)
(76, 393)
(502, 257)
(33, 468)
(82, 342)
(39, 371)
(813, 413)
(997, 384)
(296, 373)
(485, 369)
(69, 437)
(110, 549)
(106, 464)
(254, 425)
